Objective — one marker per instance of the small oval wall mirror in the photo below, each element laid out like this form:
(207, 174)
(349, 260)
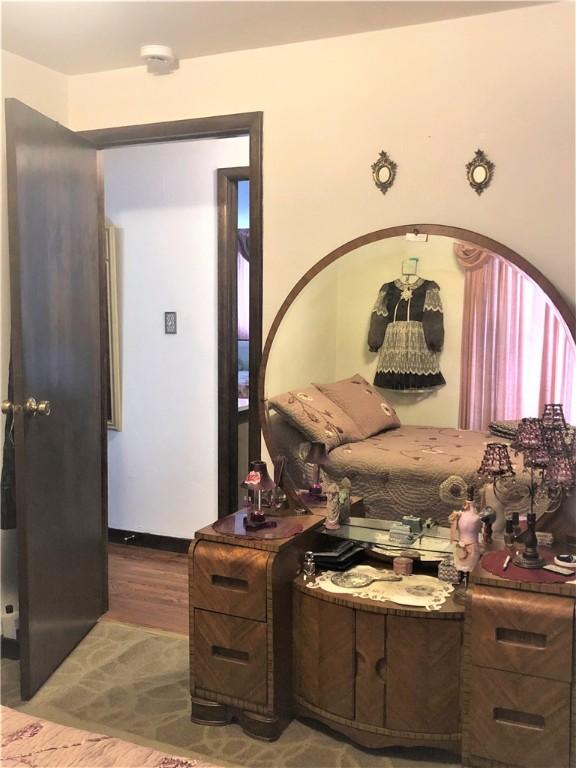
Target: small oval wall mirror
(384, 172)
(479, 172)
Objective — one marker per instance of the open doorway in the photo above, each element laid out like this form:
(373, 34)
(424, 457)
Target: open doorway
(163, 461)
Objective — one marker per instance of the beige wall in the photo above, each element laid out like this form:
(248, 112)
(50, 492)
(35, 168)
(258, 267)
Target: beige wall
(39, 87)
(429, 95)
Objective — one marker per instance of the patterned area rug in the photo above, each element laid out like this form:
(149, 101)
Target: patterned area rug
(132, 683)
(30, 742)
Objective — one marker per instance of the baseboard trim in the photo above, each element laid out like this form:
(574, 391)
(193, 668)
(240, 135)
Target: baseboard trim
(10, 648)
(148, 540)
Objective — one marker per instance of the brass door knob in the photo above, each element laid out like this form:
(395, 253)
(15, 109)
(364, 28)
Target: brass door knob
(40, 407)
(31, 406)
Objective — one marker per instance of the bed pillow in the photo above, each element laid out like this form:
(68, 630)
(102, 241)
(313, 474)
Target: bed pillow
(363, 404)
(317, 417)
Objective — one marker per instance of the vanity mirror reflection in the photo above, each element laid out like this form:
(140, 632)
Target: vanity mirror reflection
(507, 347)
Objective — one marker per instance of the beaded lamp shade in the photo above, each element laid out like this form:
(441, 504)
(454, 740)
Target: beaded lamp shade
(553, 416)
(556, 444)
(537, 458)
(496, 462)
(529, 436)
(561, 472)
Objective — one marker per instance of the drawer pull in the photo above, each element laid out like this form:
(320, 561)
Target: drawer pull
(229, 583)
(519, 637)
(380, 669)
(230, 654)
(514, 717)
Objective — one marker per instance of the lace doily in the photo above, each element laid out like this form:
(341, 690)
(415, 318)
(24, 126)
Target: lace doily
(416, 591)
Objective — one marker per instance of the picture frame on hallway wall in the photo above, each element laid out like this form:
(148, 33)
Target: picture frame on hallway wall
(114, 416)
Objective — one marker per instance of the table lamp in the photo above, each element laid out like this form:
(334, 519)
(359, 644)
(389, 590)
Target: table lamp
(258, 480)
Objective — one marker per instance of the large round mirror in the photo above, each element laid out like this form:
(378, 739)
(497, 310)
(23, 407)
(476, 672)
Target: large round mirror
(493, 342)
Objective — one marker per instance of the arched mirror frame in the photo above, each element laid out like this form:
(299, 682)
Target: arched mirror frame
(383, 234)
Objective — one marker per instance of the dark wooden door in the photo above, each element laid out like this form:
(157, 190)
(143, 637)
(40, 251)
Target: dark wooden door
(56, 280)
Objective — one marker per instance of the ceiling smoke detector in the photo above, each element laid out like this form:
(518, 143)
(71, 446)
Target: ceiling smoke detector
(159, 59)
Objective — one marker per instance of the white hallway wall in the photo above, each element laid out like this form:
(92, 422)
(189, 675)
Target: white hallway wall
(162, 466)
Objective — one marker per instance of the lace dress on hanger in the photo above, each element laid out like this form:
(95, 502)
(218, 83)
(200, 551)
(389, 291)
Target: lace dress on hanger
(407, 326)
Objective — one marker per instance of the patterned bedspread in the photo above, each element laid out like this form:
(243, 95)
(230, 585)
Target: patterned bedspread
(398, 472)
(28, 742)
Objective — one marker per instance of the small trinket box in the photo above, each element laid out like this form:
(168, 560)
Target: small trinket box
(402, 566)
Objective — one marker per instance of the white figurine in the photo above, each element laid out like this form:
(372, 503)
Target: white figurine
(332, 506)
(465, 528)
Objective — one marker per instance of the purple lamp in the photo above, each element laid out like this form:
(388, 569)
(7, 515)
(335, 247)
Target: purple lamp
(531, 443)
(495, 462)
(544, 444)
(258, 480)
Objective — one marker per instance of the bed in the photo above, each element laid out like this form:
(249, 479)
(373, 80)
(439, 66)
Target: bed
(397, 469)
(397, 472)
(31, 741)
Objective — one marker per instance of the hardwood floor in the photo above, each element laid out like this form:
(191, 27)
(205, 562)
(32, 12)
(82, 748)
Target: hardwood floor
(148, 587)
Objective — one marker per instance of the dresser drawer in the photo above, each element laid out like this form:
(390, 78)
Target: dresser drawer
(522, 632)
(518, 720)
(229, 580)
(230, 656)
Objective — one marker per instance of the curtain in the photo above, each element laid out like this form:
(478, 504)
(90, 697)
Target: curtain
(243, 287)
(517, 353)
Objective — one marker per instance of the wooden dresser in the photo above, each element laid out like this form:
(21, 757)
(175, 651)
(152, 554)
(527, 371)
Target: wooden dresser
(241, 627)
(382, 674)
(519, 682)
(498, 686)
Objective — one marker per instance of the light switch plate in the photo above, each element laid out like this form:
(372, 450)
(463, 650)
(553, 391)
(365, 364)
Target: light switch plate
(170, 322)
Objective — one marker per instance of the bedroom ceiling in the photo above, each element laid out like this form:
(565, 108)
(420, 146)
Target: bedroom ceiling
(79, 37)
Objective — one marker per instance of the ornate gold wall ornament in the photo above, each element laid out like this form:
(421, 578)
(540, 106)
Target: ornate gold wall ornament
(384, 172)
(479, 171)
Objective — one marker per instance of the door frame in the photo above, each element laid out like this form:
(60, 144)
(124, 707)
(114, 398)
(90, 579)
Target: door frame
(228, 416)
(221, 126)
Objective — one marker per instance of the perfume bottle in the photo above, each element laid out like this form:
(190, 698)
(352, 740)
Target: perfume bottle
(510, 536)
(516, 524)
